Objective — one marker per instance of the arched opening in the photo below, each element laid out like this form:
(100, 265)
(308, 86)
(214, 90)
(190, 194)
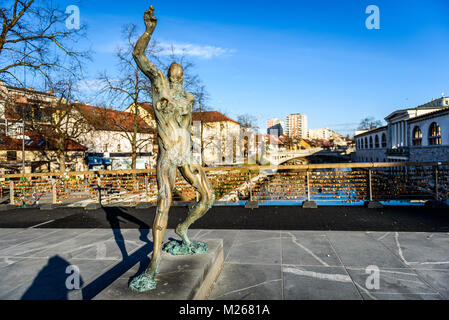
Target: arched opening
(366, 143)
(434, 134)
(384, 140)
(371, 146)
(417, 136)
(376, 141)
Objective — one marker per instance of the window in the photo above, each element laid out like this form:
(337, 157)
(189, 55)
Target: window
(366, 143)
(417, 136)
(376, 141)
(11, 155)
(371, 146)
(384, 140)
(434, 134)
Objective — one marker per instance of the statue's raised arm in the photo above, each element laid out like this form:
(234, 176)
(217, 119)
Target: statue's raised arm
(141, 59)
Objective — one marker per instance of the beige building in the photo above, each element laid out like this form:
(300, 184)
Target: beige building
(26, 118)
(296, 125)
(106, 133)
(222, 141)
(322, 133)
(144, 111)
(109, 142)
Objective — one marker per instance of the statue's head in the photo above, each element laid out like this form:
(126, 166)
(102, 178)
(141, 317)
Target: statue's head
(175, 73)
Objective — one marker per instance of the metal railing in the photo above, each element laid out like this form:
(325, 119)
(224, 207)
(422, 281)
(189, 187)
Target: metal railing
(324, 183)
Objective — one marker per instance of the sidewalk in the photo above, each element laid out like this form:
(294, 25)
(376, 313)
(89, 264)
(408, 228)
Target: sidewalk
(258, 264)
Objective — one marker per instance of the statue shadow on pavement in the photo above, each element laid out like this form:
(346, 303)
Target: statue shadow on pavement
(116, 217)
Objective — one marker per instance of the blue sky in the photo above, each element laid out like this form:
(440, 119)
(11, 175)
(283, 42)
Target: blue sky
(273, 58)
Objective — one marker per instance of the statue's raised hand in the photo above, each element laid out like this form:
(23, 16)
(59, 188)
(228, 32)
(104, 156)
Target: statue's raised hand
(150, 19)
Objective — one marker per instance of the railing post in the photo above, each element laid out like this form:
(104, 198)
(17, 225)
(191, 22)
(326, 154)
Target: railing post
(308, 184)
(249, 186)
(53, 192)
(370, 185)
(99, 187)
(147, 196)
(11, 192)
(437, 195)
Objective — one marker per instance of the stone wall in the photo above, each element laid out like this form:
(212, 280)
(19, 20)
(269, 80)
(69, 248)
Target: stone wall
(370, 155)
(429, 154)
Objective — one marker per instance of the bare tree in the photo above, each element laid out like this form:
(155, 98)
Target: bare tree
(62, 121)
(248, 121)
(369, 123)
(129, 89)
(49, 115)
(289, 143)
(34, 37)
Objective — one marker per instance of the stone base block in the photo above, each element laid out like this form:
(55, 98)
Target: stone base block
(309, 205)
(374, 205)
(180, 277)
(92, 206)
(252, 205)
(49, 206)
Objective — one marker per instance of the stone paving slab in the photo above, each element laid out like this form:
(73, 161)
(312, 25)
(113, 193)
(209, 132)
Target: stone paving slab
(308, 249)
(418, 250)
(358, 249)
(318, 283)
(248, 282)
(258, 264)
(256, 247)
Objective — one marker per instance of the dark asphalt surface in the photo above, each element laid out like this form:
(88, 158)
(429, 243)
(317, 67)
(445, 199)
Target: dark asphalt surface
(412, 219)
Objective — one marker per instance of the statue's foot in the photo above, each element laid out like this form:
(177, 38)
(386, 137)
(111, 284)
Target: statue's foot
(144, 282)
(180, 231)
(179, 248)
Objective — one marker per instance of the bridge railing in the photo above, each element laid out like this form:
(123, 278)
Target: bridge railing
(324, 183)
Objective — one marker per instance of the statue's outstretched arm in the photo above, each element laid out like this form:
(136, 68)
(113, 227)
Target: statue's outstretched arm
(139, 50)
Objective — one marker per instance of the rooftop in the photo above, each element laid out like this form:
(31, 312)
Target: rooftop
(37, 142)
(205, 116)
(113, 120)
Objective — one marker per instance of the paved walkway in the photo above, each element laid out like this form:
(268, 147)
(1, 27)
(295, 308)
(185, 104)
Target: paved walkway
(38, 263)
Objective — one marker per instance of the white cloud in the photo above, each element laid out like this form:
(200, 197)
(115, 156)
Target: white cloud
(168, 48)
(188, 49)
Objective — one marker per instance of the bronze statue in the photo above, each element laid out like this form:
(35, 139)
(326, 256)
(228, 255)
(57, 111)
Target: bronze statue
(173, 111)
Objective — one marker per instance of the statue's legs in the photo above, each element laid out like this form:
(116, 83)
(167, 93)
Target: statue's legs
(166, 177)
(195, 175)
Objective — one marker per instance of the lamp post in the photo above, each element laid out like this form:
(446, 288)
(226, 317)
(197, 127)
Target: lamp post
(23, 144)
